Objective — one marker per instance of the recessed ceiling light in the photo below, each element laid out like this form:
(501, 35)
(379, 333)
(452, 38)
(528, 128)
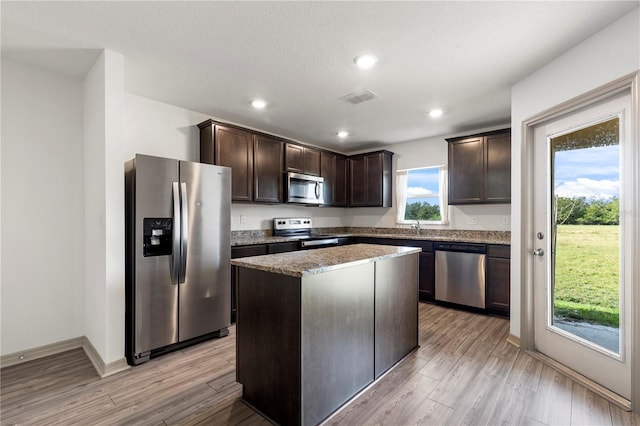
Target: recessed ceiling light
(342, 134)
(365, 61)
(435, 113)
(258, 104)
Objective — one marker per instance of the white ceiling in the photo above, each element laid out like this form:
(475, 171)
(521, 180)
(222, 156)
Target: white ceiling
(215, 57)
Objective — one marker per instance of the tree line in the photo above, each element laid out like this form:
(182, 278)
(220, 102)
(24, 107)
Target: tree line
(587, 211)
(422, 211)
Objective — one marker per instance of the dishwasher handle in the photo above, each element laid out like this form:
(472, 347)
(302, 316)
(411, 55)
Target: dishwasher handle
(461, 247)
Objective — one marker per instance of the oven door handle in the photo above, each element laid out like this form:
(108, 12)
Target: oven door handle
(313, 243)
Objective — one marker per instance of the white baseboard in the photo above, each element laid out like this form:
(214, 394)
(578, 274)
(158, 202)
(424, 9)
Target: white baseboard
(101, 367)
(514, 340)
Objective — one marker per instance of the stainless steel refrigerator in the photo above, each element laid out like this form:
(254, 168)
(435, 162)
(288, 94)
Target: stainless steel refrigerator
(178, 249)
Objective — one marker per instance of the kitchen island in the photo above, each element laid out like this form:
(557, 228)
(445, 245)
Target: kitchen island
(316, 327)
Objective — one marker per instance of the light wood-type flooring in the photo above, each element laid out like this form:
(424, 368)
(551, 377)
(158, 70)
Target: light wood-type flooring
(463, 373)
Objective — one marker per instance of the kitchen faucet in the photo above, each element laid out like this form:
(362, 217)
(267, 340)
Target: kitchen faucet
(416, 227)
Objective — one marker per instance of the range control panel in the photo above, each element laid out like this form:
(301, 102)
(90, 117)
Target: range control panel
(291, 223)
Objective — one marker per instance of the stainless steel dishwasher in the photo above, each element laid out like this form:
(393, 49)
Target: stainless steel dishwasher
(460, 273)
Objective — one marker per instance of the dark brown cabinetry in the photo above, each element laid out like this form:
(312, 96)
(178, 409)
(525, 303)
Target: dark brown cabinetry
(302, 159)
(255, 159)
(498, 279)
(259, 162)
(480, 168)
(267, 169)
(370, 179)
(236, 252)
(333, 168)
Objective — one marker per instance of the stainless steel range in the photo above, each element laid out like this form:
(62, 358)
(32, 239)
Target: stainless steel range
(302, 228)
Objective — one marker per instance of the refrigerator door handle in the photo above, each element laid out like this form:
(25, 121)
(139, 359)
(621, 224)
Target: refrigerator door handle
(175, 256)
(184, 231)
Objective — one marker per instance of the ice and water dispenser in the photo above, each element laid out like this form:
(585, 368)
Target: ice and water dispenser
(158, 236)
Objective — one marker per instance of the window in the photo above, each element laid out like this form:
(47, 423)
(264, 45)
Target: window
(421, 195)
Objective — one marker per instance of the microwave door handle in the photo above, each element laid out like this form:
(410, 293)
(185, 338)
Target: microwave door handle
(317, 190)
(175, 243)
(184, 231)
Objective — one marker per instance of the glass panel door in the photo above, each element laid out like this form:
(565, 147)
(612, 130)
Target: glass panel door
(580, 309)
(585, 190)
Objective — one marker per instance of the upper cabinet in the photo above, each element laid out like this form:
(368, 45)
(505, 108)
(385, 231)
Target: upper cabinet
(333, 168)
(256, 160)
(370, 179)
(302, 159)
(268, 162)
(480, 168)
(259, 162)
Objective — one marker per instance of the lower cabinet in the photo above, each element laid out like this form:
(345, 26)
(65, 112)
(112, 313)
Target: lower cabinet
(498, 284)
(241, 251)
(427, 281)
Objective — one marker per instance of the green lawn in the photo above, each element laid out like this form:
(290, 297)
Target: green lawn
(587, 273)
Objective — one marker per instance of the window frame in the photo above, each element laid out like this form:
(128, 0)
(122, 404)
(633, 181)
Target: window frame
(442, 196)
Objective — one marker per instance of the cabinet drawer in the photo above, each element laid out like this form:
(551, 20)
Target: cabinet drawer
(502, 251)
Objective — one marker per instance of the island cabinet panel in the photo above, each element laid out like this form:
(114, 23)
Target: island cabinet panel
(269, 351)
(427, 262)
(396, 330)
(337, 306)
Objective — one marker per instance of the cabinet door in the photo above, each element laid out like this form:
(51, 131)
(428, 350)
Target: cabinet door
(328, 172)
(311, 161)
(466, 164)
(427, 283)
(357, 172)
(294, 158)
(373, 182)
(341, 182)
(234, 148)
(498, 168)
(267, 169)
(498, 288)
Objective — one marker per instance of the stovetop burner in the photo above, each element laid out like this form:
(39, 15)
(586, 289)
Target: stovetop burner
(301, 227)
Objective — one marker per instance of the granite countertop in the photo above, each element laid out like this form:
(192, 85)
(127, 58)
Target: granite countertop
(317, 261)
(242, 238)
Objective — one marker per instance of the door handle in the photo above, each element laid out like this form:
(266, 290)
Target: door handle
(317, 190)
(538, 252)
(184, 231)
(175, 255)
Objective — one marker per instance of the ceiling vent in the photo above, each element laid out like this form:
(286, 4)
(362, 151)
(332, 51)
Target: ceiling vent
(358, 98)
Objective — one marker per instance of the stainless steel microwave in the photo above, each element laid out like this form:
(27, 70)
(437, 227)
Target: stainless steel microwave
(304, 189)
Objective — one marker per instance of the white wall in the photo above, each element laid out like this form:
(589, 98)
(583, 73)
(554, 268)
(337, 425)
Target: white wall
(156, 128)
(42, 208)
(608, 55)
(104, 205)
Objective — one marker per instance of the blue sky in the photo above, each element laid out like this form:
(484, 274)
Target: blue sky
(422, 182)
(591, 172)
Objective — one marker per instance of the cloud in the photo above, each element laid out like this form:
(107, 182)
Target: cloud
(417, 192)
(589, 188)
